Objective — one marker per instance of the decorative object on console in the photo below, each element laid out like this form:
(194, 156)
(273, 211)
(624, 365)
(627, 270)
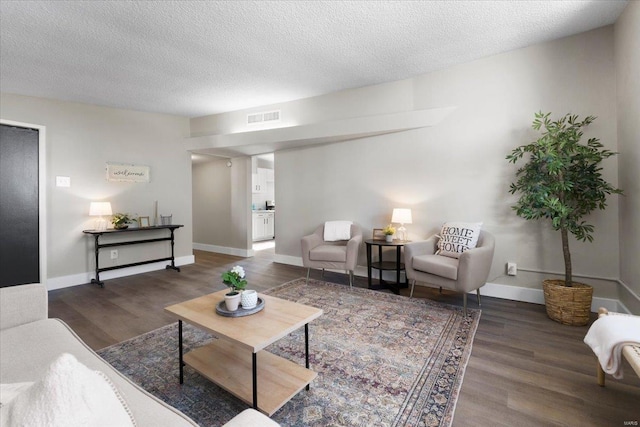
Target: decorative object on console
(235, 279)
(143, 221)
(388, 232)
(457, 237)
(562, 181)
(120, 221)
(402, 216)
(100, 209)
(165, 219)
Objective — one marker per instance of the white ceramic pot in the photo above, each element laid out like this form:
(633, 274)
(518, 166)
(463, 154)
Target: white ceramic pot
(232, 300)
(249, 298)
(389, 238)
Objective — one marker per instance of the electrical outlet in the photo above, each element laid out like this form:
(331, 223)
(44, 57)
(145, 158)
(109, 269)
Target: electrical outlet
(512, 269)
(114, 254)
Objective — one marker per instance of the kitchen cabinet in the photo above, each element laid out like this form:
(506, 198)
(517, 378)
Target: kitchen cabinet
(263, 225)
(259, 180)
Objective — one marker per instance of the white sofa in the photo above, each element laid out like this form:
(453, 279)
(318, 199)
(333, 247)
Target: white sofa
(30, 342)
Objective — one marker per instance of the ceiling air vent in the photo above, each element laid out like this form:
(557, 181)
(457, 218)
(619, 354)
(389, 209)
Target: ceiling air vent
(267, 116)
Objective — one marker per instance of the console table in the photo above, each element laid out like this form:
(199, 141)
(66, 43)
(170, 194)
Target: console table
(99, 233)
(386, 265)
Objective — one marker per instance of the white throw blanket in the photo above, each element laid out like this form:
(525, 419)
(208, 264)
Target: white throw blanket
(337, 230)
(608, 335)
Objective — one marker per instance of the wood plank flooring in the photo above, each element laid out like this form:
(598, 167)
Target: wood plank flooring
(525, 370)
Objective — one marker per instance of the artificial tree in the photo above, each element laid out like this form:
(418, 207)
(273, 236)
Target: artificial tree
(562, 179)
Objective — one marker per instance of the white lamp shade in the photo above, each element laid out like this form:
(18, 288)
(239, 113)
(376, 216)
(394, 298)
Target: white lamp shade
(401, 216)
(100, 209)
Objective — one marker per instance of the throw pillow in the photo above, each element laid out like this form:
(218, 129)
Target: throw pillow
(69, 394)
(457, 237)
(337, 230)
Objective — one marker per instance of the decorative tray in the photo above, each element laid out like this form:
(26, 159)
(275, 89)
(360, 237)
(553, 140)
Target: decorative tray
(221, 309)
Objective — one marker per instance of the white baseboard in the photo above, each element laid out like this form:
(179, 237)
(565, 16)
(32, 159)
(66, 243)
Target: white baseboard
(536, 296)
(84, 278)
(287, 259)
(224, 250)
(496, 290)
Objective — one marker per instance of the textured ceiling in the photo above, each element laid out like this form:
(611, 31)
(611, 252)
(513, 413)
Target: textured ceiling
(198, 58)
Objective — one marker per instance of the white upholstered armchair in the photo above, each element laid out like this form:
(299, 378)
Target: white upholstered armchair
(464, 274)
(338, 255)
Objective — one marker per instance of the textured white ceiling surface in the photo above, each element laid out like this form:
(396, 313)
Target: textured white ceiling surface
(195, 58)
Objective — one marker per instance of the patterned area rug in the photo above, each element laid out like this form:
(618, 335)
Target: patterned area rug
(382, 360)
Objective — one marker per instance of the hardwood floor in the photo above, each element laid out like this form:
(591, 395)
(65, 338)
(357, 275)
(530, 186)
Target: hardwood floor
(525, 370)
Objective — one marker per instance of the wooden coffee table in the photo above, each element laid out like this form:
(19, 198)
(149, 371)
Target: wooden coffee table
(237, 361)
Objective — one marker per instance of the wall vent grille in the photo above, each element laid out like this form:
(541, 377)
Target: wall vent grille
(266, 116)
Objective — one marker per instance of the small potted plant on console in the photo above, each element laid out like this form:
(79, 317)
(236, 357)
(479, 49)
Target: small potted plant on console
(120, 221)
(234, 278)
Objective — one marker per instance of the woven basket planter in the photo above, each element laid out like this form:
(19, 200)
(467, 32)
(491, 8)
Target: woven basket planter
(568, 305)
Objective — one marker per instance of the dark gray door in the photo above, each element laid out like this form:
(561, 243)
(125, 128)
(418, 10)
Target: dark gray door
(19, 217)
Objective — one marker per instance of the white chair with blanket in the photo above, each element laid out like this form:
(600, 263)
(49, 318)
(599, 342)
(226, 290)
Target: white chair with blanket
(611, 337)
(458, 259)
(333, 245)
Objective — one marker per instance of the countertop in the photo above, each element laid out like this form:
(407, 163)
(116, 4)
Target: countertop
(263, 210)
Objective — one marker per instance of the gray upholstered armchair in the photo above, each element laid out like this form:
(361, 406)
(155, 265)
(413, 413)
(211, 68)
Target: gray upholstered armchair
(339, 255)
(464, 274)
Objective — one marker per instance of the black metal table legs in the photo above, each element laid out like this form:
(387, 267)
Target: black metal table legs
(180, 351)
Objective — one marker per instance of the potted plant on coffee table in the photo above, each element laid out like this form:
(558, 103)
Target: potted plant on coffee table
(235, 279)
(562, 182)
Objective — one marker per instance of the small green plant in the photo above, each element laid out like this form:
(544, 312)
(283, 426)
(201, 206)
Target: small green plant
(562, 180)
(234, 278)
(389, 230)
(120, 220)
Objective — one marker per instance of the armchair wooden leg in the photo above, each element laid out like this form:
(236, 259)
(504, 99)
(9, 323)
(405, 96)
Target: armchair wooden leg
(464, 303)
(440, 289)
(478, 292)
(308, 271)
(322, 274)
(413, 284)
(600, 375)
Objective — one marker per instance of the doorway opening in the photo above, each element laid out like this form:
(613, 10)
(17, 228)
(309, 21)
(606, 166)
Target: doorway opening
(263, 202)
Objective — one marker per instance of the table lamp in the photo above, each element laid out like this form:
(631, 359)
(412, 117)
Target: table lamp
(401, 216)
(100, 209)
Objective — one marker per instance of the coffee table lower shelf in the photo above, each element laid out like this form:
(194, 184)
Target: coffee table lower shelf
(229, 365)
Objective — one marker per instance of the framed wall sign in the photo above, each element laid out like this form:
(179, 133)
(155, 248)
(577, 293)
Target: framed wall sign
(128, 173)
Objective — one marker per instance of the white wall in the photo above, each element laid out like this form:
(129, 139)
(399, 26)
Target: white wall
(212, 202)
(627, 48)
(222, 206)
(457, 169)
(81, 139)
